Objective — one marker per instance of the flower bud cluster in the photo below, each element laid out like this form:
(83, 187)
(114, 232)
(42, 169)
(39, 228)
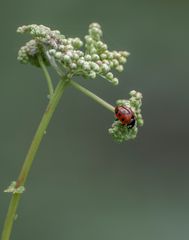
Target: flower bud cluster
(121, 132)
(105, 59)
(95, 59)
(30, 52)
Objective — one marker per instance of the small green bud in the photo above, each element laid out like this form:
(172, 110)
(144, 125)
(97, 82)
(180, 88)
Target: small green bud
(92, 74)
(138, 95)
(125, 54)
(95, 66)
(86, 66)
(66, 58)
(95, 57)
(115, 62)
(122, 60)
(88, 57)
(105, 68)
(61, 47)
(133, 93)
(58, 55)
(115, 81)
(110, 76)
(103, 56)
(73, 66)
(119, 68)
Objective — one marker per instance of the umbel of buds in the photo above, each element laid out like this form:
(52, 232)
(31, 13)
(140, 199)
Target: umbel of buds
(122, 132)
(87, 59)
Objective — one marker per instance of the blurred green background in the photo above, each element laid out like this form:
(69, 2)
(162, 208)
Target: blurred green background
(83, 185)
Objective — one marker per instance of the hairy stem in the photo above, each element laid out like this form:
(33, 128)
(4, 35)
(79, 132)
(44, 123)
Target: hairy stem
(47, 76)
(92, 95)
(30, 157)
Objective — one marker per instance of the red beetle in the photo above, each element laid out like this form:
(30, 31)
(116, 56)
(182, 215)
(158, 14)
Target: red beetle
(125, 115)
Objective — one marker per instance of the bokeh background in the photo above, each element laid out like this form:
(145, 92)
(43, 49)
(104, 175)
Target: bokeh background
(83, 185)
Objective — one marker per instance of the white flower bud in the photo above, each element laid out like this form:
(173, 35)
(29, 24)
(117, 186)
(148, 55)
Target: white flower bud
(103, 56)
(138, 95)
(95, 66)
(110, 76)
(86, 66)
(92, 74)
(93, 50)
(125, 54)
(69, 53)
(105, 67)
(133, 93)
(80, 62)
(65, 41)
(116, 54)
(69, 47)
(61, 47)
(67, 58)
(119, 68)
(58, 55)
(96, 25)
(80, 53)
(122, 60)
(115, 81)
(115, 62)
(87, 57)
(95, 57)
(99, 44)
(73, 66)
(88, 39)
(75, 56)
(110, 55)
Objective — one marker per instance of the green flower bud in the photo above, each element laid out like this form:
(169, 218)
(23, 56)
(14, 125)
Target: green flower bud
(133, 93)
(105, 68)
(95, 66)
(115, 81)
(95, 57)
(119, 68)
(92, 75)
(86, 66)
(66, 58)
(122, 60)
(110, 76)
(58, 55)
(103, 56)
(88, 57)
(73, 66)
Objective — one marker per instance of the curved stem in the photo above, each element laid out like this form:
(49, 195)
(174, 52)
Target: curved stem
(30, 157)
(92, 95)
(47, 76)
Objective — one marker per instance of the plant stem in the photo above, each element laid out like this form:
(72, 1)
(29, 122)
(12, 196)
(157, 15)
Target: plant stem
(92, 95)
(30, 156)
(47, 76)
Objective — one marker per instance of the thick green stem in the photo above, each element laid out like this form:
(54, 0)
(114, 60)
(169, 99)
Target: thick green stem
(92, 95)
(30, 157)
(47, 76)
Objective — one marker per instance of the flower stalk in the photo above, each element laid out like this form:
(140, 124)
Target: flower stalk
(47, 76)
(92, 95)
(53, 102)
